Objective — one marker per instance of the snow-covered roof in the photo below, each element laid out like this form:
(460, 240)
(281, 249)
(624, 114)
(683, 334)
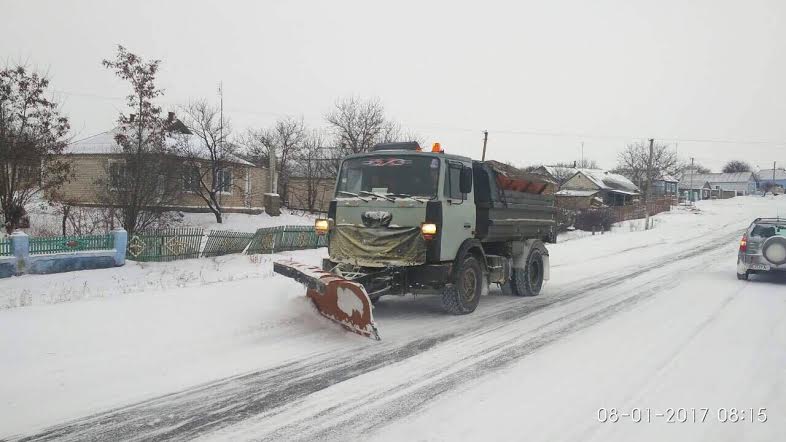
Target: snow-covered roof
(577, 193)
(610, 181)
(695, 182)
(104, 143)
(717, 178)
(668, 178)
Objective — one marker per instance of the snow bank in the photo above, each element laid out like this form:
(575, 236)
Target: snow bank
(241, 222)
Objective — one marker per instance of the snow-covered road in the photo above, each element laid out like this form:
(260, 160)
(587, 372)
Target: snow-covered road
(633, 320)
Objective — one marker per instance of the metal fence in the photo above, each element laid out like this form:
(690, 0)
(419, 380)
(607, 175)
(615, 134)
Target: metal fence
(224, 242)
(5, 247)
(602, 218)
(165, 245)
(284, 238)
(63, 244)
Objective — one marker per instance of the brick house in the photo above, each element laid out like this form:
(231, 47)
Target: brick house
(98, 159)
(321, 193)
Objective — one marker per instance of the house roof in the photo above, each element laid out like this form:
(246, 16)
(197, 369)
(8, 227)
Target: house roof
(668, 179)
(766, 174)
(739, 177)
(555, 171)
(610, 181)
(104, 143)
(696, 182)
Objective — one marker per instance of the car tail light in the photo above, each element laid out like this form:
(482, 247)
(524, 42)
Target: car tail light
(744, 244)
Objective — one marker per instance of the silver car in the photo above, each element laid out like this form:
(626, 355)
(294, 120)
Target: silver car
(762, 248)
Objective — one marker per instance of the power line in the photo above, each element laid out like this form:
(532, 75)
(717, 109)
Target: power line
(517, 132)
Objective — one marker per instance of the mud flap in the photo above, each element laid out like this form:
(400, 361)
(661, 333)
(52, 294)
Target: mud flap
(338, 299)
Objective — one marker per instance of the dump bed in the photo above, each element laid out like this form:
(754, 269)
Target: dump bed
(511, 204)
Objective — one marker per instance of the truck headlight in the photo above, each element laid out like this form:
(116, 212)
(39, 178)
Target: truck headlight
(321, 226)
(428, 230)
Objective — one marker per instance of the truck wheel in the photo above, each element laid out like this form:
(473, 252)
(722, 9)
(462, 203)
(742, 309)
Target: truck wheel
(529, 280)
(463, 295)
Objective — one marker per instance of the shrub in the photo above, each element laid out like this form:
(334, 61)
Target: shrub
(594, 219)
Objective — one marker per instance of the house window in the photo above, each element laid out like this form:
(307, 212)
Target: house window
(118, 174)
(191, 179)
(225, 181)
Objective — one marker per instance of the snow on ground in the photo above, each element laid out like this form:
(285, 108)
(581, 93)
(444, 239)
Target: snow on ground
(45, 221)
(694, 338)
(241, 222)
(66, 360)
(134, 277)
(710, 342)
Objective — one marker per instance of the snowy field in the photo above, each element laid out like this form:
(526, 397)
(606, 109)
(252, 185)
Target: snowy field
(223, 349)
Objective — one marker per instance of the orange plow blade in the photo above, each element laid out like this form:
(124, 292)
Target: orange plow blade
(338, 299)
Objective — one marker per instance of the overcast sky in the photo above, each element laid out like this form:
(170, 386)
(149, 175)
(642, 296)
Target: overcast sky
(541, 76)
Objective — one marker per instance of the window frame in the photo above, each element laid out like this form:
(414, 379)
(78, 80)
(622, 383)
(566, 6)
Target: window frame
(192, 172)
(222, 185)
(448, 181)
(124, 167)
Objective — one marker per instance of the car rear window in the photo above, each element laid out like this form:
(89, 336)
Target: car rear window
(768, 230)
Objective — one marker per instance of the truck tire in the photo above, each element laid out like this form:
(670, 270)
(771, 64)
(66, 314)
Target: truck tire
(463, 295)
(529, 280)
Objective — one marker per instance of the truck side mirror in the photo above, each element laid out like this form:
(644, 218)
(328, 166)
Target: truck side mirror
(465, 181)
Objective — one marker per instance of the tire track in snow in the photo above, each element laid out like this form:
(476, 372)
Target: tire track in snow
(216, 405)
(345, 421)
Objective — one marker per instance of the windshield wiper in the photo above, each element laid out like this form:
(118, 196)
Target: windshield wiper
(343, 192)
(406, 195)
(378, 195)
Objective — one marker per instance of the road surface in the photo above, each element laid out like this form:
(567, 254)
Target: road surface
(647, 321)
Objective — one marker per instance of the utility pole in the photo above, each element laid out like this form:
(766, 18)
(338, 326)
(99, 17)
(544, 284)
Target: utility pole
(582, 155)
(649, 185)
(485, 140)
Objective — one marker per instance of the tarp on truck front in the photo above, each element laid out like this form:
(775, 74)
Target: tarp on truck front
(377, 247)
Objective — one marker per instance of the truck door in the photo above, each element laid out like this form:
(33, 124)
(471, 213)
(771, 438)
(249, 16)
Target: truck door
(458, 211)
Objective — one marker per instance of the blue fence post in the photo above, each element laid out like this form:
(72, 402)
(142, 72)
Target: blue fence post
(120, 239)
(20, 245)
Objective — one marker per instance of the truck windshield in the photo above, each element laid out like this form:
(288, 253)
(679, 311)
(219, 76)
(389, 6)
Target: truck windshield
(397, 175)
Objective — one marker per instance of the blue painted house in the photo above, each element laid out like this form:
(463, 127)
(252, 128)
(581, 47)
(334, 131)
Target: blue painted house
(776, 176)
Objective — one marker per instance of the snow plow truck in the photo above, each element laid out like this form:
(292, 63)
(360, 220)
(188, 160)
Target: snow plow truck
(408, 221)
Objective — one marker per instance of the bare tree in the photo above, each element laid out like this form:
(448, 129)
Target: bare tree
(311, 166)
(633, 163)
(685, 167)
(284, 140)
(586, 163)
(146, 179)
(735, 166)
(206, 153)
(359, 124)
(32, 137)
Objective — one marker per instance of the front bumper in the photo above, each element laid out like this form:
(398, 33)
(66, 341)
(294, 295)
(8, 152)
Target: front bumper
(420, 279)
(756, 263)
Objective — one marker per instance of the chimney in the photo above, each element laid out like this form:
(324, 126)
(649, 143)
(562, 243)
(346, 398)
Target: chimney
(171, 117)
(131, 118)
